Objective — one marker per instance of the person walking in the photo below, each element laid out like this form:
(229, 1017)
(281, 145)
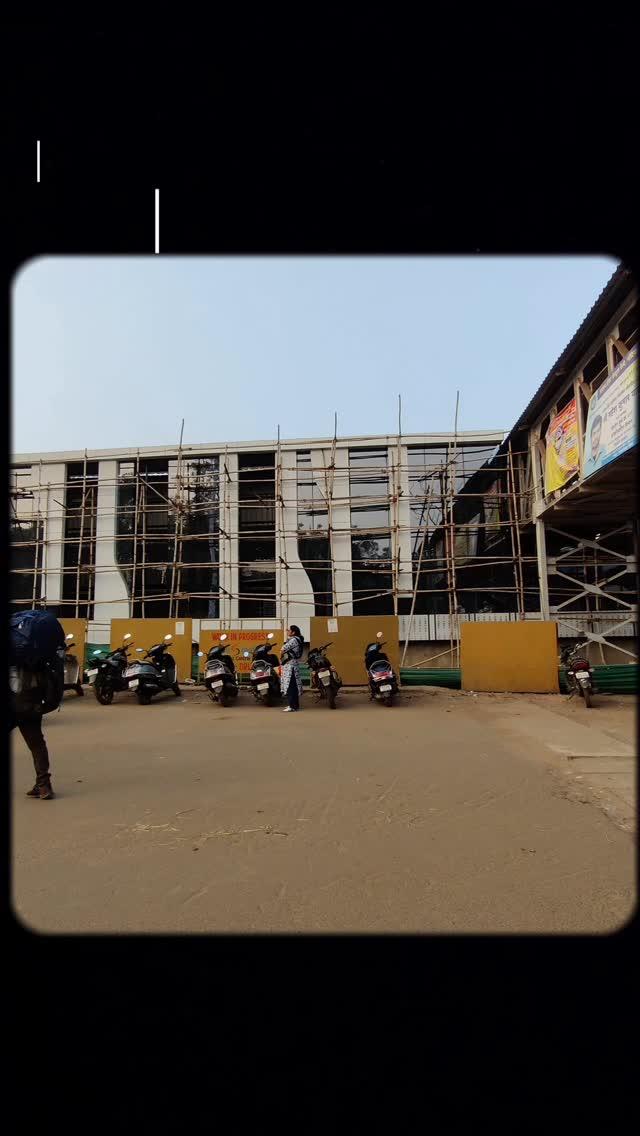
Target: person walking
(290, 681)
(36, 686)
(30, 726)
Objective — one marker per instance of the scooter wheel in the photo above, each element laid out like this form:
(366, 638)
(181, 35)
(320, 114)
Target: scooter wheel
(223, 699)
(176, 690)
(79, 690)
(586, 694)
(388, 700)
(104, 694)
(331, 695)
(143, 697)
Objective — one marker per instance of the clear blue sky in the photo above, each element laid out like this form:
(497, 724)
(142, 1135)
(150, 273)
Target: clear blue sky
(112, 352)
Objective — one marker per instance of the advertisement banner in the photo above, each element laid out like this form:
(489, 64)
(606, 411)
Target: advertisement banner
(612, 424)
(562, 458)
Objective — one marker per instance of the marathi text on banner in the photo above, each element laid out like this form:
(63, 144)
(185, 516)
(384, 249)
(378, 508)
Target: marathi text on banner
(562, 458)
(612, 426)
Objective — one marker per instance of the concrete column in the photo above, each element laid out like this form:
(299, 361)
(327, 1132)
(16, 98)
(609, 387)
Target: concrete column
(51, 503)
(300, 606)
(543, 576)
(341, 536)
(229, 572)
(111, 596)
(403, 536)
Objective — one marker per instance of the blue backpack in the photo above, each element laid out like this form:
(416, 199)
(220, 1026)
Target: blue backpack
(36, 656)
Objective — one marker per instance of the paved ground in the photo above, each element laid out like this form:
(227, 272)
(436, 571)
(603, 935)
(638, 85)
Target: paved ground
(448, 813)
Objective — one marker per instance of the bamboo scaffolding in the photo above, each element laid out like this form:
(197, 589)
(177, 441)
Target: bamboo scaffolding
(433, 486)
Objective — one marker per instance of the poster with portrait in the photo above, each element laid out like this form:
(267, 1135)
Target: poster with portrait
(612, 421)
(562, 458)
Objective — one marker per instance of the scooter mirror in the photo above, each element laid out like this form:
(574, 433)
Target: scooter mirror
(140, 650)
(167, 638)
(270, 635)
(200, 654)
(95, 653)
(379, 635)
(127, 637)
(245, 654)
(223, 637)
(68, 636)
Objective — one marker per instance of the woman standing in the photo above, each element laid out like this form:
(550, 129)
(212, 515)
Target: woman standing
(290, 681)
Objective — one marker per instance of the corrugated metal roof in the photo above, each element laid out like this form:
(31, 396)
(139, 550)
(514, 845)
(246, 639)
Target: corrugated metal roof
(621, 282)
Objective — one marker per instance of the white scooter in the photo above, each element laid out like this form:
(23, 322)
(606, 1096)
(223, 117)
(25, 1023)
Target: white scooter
(72, 671)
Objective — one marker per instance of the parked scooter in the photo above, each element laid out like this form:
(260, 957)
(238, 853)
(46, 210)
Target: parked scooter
(383, 684)
(578, 671)
(72, 673)
(156, 672)
(107, 677)
(324, 676)
(220, 676)
(265, 673)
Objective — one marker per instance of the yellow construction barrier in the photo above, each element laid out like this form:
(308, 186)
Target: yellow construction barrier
(147, 632)
(349, 635)
(520, 657)
(77, 628)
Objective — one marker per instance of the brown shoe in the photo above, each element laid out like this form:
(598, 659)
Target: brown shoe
(35, 792)
(46, 793)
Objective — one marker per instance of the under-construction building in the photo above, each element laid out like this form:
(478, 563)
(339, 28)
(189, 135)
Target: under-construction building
(435, 528)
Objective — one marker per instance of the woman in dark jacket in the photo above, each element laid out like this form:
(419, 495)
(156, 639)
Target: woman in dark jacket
(290, 681)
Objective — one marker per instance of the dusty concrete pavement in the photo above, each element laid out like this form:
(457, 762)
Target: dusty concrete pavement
(443, 814)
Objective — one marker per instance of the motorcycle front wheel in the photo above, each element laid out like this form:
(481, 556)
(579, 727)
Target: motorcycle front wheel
(103, 693)
(586, 694)
(176, 689)
(331, 695)
(388, 699)
(78, 689)
(143, 696)
(223, 698)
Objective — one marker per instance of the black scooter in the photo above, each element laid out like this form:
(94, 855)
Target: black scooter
(324, 676)
(154, 674)
(107, 678)
(383, 684)
(220, 676)
(264, 677)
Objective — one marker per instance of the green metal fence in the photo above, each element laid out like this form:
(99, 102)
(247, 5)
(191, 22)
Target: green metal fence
(607, 679)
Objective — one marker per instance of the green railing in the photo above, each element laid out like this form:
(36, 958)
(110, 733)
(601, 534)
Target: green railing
(622, 679)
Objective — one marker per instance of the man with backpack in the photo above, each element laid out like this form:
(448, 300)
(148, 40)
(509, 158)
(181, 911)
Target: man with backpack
(36, 685)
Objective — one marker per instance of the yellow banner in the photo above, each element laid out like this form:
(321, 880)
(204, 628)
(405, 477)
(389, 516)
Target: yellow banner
(562, 453)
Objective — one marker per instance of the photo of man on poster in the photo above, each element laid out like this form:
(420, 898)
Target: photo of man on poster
(597, 450)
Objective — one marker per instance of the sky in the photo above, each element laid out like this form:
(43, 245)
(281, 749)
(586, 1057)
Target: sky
(114, 352)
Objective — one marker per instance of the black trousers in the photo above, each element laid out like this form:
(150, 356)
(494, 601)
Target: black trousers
(293, 695)
(31, 730)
